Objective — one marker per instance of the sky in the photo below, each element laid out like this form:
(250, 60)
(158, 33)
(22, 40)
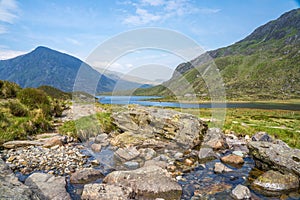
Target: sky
(78, 27)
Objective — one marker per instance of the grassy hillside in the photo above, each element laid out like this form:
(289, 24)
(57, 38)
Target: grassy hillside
(265, 65)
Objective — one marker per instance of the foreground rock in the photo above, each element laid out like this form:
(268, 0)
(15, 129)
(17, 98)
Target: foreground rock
(107, 192)
(11, 188)
(48, 187)
(275, 182)
(241, 192)
(276, 156)
(147, 182)
(184, 129)
(85, 176)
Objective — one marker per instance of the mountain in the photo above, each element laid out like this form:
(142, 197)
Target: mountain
(264, 65)
(44, 66)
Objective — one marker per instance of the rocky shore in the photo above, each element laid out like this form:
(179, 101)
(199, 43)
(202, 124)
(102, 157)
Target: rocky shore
(154, 154)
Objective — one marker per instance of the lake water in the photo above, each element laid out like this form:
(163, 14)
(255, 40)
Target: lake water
(146, 101)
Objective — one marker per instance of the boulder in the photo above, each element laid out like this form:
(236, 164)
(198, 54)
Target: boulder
(10, 187)
(96, 147)
(214, 138)
(233, 159)
(127, 153)
(261, 136)
(274, 181)
(277, 156)
(206, 154)
(85, 176)
(147, 182)
(106, 192)
(145, 122)
(221, 168)
(241, 192)
(48, 187)
(21, 143)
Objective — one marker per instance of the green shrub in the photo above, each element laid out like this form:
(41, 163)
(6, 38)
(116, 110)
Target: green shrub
(17, 109)
(8, 89)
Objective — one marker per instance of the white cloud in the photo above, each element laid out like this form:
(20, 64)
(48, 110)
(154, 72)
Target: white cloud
(73, 41)
(149, 11)
(7, 54)
(8, 13)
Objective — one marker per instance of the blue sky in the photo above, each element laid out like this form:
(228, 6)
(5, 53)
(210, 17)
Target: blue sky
(78, 27)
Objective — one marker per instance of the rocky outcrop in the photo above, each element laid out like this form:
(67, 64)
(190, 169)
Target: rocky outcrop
(276, 182)
(11, 188)
(85, 176)
(183, 129)
(107, 192)
(147, 182)
(278, 156)
(48, 187)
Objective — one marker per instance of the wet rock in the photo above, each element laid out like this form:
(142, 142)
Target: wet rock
(147, 182)
(233, 159)
(107, 192)
(212, 189)
(96, 147)
(275, 156)
(131, 165)
(10, 187)
(241, 192)
(206, 154)
(274, 181)
(48, 186)
(214, 138)
(85, 176)
(221, 168)
(127, 153)
(261, 136)
(21, 143)
(145, 122)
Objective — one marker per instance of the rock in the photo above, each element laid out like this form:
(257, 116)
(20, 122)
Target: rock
(21, 143)
(233, 159)
(107, 192)
(158, 163)
(239, 153)
(47, 186)
(212, 189)
(147, 182)
(275, 156)
(147, 153)
(178, 155)
(220, 168)
(10, 187)
(214, 138)
(206, 154)
(96, 147)
(85, 176)
(131, 165)
(274, 181)
(127, 153)
(57, 140)
(188, 162)
(146, 122)
(262, 137)
(102, 139)
(241, 192)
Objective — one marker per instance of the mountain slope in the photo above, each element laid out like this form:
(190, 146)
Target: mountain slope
(264, 65)
(44, 66)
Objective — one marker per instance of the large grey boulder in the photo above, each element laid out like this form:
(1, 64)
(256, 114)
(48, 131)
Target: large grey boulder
(10, 187)
(147, 182)
(145, 122)
(106, 192)
(276, 156)
(48, 187)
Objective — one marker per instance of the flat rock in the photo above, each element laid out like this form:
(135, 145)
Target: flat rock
(278, 156)
(214, 138)
(127, 153)
(85, 176)
(275, 181)
(21, 143)
(106, 192)
(241, 192)
(48, 187)
(233, 159)
(186, 130)
(11, 187)
(221, 168)
(147, 182)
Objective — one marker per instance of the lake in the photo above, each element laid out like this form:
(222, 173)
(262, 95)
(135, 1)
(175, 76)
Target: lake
(146, 101)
